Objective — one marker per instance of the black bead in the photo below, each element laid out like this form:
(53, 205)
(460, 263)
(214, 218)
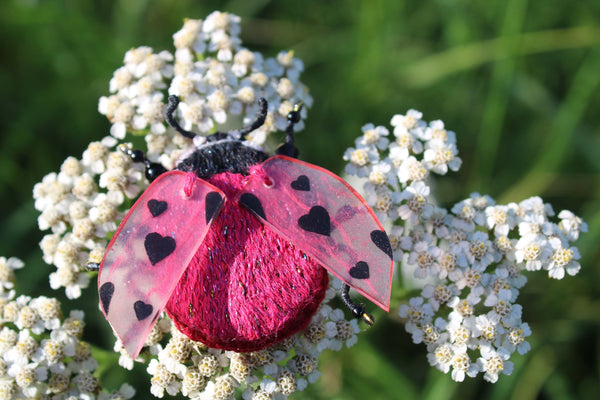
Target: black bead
(357, 311)
(153, 170)
(92, 266)
(294, 117)
(137, 156)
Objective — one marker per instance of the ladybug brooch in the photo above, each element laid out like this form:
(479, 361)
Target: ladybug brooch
(232, 245)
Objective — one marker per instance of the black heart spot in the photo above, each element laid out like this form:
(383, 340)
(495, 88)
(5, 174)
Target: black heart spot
(317, 220)
(157, 207)
(106, 293)
(252, 203)
(142, 310)
(302, 183)
(381, 240)
(360, 270)
(158, 247)
(213, 202)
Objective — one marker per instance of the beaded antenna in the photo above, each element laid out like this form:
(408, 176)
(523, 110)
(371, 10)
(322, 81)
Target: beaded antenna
(231, 245)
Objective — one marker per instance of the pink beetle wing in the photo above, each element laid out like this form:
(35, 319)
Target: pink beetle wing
(151, 249)
(325, 217)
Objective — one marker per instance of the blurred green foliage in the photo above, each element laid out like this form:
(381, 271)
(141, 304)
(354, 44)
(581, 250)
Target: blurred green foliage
(517, 80)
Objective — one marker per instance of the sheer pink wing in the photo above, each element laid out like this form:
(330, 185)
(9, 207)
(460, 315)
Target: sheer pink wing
(325, 217)
(151, 249)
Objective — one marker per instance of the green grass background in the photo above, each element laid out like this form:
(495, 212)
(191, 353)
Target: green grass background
(517, 80)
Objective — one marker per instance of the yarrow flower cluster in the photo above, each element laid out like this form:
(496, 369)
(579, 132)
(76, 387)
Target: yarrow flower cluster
(41, 353)
(215, 78)
(470, 259)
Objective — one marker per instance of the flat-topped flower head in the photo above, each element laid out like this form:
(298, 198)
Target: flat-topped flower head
(41, 352)
(469, 259)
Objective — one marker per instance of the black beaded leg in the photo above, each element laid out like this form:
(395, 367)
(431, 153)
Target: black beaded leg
(153, 170)
(358, 311)
(287, 148)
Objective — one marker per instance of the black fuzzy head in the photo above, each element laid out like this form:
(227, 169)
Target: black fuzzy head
(222, 156)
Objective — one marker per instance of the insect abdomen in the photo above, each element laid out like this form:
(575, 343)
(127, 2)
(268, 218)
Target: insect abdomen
(246, 288)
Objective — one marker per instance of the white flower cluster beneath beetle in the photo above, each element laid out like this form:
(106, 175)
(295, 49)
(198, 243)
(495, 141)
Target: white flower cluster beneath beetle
(216, 79)
(198, 372)
(41, 352)
(470, 259)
